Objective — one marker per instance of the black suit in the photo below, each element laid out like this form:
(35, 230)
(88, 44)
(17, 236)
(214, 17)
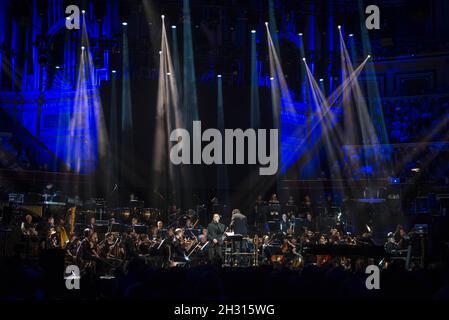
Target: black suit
(239, 224)
(215, 231)
(284, 226)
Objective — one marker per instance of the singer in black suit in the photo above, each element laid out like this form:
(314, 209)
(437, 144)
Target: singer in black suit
(215, 231)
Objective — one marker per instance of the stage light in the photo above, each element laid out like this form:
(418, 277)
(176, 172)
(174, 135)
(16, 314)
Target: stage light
(124, 23)
(266, 23)
(218, 75)
(67, 18)
(173, 27)
(351, 35)
(160, 51)
(271, 78)
(113, 71)
(368, 56)
(304, 59)
(57, 67)
(168, 73)
(82, 48)
(162, 16)
(339, 27)
(321, 79)
(83, 11)
(253, 31)
(300, 34)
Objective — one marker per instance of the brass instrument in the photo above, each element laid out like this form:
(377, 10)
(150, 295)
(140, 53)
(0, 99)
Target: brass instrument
(63, 237)
(72, 219)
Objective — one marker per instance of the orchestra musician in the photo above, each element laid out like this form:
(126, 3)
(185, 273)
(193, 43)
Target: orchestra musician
(274, 207)
(160, 231)
(306, 206)
(401, 237)
(215, 232)
(91, 224)
(179, 247)
(291, 208)
(27, 227)
(284, 225)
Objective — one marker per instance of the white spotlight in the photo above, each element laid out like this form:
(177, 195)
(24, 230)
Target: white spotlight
(253, 31)
(124, 23)
(321, 79)
(271, 78)
(218, 75)
(351, 35)
(304, 59)
(82, 48)
(368, 56)
(113, 71)
(168, 73)
(300, 34)
(57, 67)
(173, 27)
(160, 52)
(67, 18)
(339, 27)
(162, 16)
(83, 11)
(266, 23)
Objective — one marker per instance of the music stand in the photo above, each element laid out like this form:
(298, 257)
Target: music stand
(101, 228)
(118, 228)
(140, 229)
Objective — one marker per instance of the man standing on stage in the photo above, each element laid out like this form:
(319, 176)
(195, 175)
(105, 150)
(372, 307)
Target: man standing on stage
(215, 231)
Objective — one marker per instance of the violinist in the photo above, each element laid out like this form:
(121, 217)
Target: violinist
(179, 247)
(188, 230)
(28, 228)
(105, 246)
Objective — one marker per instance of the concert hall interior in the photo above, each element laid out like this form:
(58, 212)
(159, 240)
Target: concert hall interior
(256, 149)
